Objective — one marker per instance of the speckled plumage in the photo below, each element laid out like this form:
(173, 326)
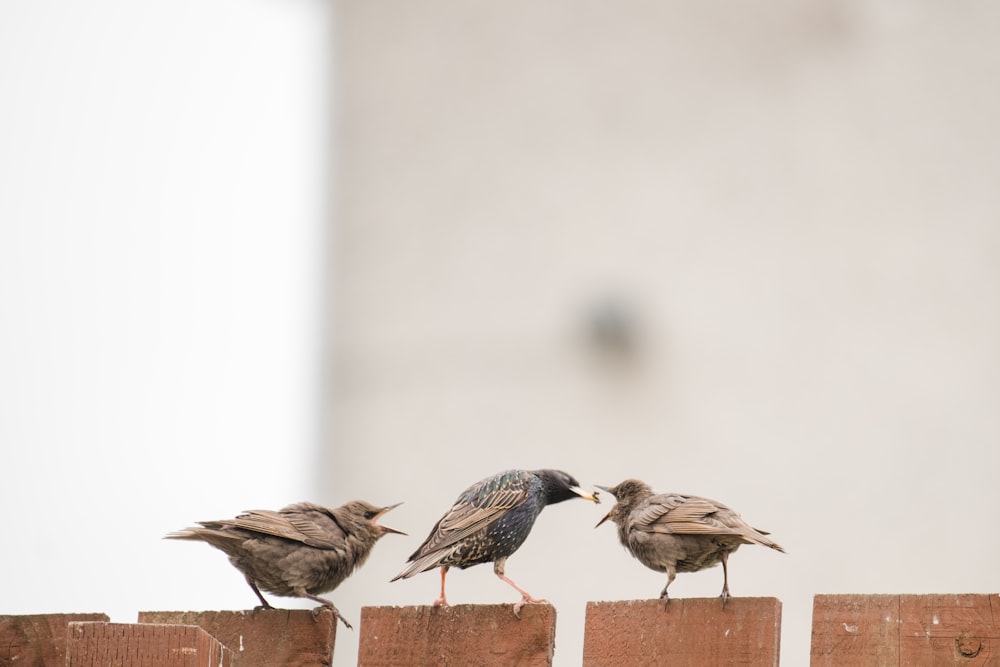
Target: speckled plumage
(300, 551)
(672, 532)
(490, 521)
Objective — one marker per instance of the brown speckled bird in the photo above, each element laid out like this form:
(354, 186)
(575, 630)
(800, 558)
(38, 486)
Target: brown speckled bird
(299, 551)
(490, 521)
(671, 532)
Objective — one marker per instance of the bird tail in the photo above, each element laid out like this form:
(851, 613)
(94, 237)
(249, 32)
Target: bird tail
(758, 537)
(408, 572)
(421, 564)
(186, 534)
(203, 534)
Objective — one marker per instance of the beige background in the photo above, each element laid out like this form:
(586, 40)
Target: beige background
(791, 210)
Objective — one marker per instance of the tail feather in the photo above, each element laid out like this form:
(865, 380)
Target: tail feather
(186, 534)
(757, 537)
(422, 564)
(203, 534)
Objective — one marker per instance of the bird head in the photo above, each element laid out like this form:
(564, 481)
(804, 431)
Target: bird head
(560, 486)
(627, 494)
(384, 529)
(368, 515)
(610, 511)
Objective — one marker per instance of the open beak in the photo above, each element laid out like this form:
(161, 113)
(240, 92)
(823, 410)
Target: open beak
(386, 529)
(592, 496)
(608, 515)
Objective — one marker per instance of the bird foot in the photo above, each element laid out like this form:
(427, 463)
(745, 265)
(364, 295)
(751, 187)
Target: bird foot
(527, 599)
(260, 607)
(441, 602)
(725, 597)
(665, 598)
(314, 612)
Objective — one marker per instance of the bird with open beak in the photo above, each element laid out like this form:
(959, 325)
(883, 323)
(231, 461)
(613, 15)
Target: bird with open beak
(299, 551)
(672, 532)
(489, 521)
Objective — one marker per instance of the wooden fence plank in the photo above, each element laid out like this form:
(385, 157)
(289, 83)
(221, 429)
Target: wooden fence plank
(291, 638)
(459, 635)
(686, 632)
(37, 640)
(893, 630)
(949, 630)
(855, 630)
(142, 645)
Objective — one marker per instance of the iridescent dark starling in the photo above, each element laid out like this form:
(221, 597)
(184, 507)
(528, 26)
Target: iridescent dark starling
(490, 521)
(671, 532)
(299, 551)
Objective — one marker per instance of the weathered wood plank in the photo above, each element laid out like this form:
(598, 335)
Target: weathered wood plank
(852, 630)
(292, 638)
(37, 640)
(948, 630)
(685, 632)
(142, 644)
(893, 630)
(459, 635)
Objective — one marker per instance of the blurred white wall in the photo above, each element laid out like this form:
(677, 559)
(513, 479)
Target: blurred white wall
(162, 209)
(796, 205)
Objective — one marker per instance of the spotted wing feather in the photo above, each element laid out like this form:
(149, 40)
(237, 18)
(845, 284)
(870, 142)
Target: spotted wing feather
(476, 508)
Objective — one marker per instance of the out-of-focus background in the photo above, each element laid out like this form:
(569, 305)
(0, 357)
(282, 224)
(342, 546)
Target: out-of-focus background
(253, 253)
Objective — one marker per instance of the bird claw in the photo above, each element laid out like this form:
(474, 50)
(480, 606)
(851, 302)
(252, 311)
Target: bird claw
(523, 601)
(314, 612)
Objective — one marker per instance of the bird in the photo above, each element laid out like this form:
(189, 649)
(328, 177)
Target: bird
(299, 551)
(489, 522)
(673, 532)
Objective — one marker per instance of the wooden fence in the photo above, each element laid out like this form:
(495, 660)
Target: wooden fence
(847, 631)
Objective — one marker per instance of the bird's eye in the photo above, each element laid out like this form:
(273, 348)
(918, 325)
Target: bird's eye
(369, 514)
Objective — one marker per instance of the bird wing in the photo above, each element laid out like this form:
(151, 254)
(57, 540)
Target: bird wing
(298, 525)
(691, 515)
(477, 507)
(465, 517)
(683, 515)
(461, 521)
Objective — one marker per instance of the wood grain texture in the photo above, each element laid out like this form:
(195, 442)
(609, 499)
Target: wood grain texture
(291, 638)
(143, 645)
(686, 632)
(37, 640)
(458, 635)
(892, 630)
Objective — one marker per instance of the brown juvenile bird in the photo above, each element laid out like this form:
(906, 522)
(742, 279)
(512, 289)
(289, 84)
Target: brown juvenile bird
(670, 532)
(490, 521)
(300, 551)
